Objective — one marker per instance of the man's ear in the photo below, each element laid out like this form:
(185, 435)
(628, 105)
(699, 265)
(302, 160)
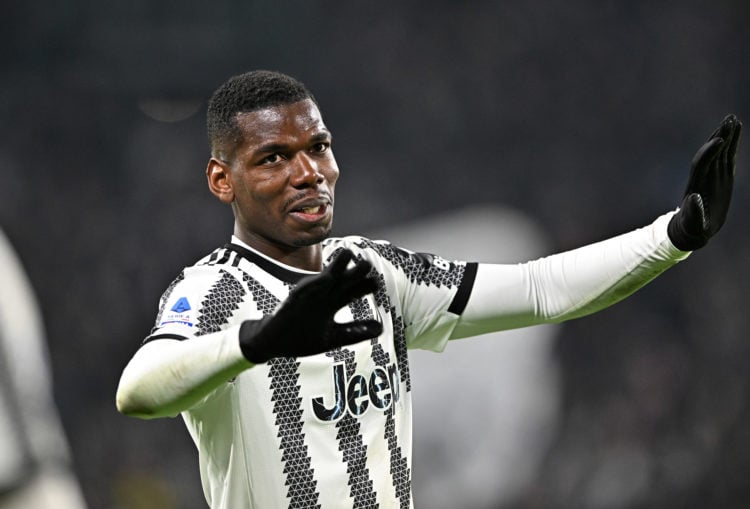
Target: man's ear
(219, 176)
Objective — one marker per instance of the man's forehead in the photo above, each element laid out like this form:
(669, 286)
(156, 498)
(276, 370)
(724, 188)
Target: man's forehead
(301, 116)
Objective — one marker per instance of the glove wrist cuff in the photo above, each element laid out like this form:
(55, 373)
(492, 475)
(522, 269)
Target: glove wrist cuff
(680, 238)
(251, 344)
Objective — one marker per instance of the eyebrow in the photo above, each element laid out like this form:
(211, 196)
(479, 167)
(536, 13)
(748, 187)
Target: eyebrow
(322, 135)
(271, 148)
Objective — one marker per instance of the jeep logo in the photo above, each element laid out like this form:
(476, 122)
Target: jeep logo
(357, 394)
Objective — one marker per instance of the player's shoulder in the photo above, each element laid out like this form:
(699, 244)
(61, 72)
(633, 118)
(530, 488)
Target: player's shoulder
(385, 256)
(359, 245)
(218, 259)
(221, 262)
(354, 242)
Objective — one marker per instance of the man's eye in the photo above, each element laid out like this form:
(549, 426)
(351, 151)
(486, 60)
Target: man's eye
(321, 147)
(271, 159)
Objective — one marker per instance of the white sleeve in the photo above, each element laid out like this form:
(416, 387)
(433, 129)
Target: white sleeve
(167, 376)
(567, 285)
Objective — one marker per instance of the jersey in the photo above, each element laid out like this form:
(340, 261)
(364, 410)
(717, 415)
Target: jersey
(328, 430)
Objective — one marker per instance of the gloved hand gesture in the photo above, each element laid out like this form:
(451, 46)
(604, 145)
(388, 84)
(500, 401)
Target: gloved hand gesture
(709, 189)
(304, 324)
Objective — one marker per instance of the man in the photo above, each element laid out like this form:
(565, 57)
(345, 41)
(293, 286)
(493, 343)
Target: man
(35, 463)
(285, 351)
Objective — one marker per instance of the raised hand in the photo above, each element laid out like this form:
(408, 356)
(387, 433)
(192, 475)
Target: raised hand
(709, 190)
(304, 323)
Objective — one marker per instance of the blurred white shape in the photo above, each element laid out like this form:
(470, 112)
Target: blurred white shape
(34, 468)
(485, 409)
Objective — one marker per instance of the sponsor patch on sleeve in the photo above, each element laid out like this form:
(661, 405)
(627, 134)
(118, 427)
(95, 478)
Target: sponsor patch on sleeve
(180, 313)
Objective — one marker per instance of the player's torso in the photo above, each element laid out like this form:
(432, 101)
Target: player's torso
(330, 430)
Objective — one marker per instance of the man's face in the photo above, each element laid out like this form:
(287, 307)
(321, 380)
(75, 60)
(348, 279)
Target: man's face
(283, 177)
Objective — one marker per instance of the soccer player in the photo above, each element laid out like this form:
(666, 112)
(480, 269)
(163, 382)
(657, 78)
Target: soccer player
(35, 463)
(286, 350)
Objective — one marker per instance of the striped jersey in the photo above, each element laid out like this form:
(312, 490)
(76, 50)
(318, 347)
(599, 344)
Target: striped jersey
(331, 430)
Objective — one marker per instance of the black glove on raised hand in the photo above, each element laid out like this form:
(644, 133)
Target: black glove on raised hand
(709, 189)
(304, 324)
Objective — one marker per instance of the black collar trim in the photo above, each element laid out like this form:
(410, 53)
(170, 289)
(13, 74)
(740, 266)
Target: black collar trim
(277, 271)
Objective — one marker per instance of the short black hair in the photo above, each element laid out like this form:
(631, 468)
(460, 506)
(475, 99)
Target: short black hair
(244, 93)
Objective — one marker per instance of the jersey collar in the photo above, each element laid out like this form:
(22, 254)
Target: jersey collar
(279, 270)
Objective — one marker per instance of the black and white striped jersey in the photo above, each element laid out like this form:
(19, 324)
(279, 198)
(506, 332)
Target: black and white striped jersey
(329, 430)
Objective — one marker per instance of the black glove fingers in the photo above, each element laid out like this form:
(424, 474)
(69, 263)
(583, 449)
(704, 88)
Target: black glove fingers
(352, 289)
(360, 270)
(363, 279)
(338, 264)
(727, 133)
(331, 278)
(717, 131)
(724, 176)
(701, 165)
(723, 133)
(361, 287)
(734, 142)
(708, 152)
(343, 334)
(310, 289)
(717, 204)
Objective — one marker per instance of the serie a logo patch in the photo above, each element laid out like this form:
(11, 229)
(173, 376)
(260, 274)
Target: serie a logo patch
(181, 305)
(179, 313)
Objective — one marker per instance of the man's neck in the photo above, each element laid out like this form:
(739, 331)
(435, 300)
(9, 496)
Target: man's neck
(307, 258)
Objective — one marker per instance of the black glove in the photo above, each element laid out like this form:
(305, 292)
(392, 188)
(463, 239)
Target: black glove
(304, 324)
(709, 189)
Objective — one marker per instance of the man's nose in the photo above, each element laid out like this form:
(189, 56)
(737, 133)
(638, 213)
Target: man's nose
(306, 171)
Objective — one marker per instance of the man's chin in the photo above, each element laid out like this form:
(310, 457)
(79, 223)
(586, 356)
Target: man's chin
(312, 238)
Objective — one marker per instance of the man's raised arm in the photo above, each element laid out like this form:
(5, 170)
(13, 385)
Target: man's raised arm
(582, 281)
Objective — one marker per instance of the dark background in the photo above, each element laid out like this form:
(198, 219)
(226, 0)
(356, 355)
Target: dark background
(583, 115)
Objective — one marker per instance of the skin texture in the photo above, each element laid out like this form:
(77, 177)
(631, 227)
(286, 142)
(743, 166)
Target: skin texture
(280, 182)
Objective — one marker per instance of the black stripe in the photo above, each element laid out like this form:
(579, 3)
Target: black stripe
(219, 305)
(464, 290)
(399, 464)
(400, 471)
(224, 257)
(348, 429)
(287, 409)
(279, 272)
(163, 336)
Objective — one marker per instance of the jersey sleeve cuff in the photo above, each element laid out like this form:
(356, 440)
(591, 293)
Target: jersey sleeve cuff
(153, 337)
(464, 290)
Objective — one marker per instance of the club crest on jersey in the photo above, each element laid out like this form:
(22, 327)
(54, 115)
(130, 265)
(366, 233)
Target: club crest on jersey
(357, 394)
(179, 313)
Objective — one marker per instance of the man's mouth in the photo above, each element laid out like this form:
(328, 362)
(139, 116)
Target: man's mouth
(311, 210)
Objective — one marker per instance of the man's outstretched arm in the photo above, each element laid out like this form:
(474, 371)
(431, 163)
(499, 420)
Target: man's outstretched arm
(582, 281)
(167, 376)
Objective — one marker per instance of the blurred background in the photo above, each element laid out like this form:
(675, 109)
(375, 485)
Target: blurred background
(579, 119)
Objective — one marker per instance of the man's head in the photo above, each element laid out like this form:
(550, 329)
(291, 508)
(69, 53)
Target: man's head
(272, 162)
(251, 91)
